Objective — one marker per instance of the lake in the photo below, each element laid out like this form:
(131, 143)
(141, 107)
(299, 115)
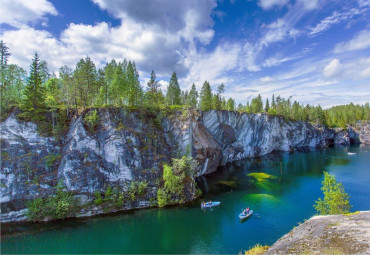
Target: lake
(280, 198)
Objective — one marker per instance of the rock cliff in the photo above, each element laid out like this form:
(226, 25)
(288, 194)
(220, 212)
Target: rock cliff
(331, 234)
(130, 146)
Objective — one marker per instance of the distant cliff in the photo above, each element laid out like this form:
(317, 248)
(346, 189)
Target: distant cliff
(129, 147)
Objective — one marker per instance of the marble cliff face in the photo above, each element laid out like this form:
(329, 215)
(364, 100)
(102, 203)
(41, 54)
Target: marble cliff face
(129, 146)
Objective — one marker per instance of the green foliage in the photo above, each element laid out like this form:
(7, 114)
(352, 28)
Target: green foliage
(92, 119)
(98, 200)
(162, 198)
(336, 200)
(50, 159)
(117, 84)
(34, 102)
(230, 104)
(192, 99)
(206, 97)
(173, 91)
(174, 177)
(58, 206)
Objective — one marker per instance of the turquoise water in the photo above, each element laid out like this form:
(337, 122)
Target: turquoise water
(280, 202)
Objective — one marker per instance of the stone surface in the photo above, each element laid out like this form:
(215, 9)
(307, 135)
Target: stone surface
(332, 234)
(129, 146)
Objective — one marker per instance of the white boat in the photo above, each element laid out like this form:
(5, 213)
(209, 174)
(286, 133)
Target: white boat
(244, 216)
(209, 204)
(351, 153)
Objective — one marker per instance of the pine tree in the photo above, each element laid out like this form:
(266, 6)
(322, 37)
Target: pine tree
(206, 97)
(267, 105)
(173, 91)
(153, 95)
(34, 92)
(135, 91)
(4, 54)
(273, 104)
(193, 97)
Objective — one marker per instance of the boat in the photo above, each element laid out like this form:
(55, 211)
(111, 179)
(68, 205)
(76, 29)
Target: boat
(351, 153)
(244, 216)
(209, 204)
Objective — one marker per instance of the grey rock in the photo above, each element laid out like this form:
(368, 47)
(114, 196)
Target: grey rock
(131, 146)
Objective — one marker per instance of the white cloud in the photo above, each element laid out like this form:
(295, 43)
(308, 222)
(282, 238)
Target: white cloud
(336, 18)
(268, 4)
(18, 13)
(332, 69)
(360, 42)
(266, 79)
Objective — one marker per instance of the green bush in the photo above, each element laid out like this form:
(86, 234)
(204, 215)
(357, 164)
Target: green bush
(336, 200)
(162, 198)
(175, 177)
(92, 119)
(142, 188)
(58, 206)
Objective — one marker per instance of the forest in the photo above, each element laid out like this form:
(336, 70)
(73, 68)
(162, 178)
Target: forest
(117, 84)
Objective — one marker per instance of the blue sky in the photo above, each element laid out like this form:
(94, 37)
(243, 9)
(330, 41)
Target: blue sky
(317, 51)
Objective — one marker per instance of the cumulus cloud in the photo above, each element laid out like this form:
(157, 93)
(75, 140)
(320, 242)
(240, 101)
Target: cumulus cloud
(332, 69)
(359, 42)
(18, 13)
(158, 35)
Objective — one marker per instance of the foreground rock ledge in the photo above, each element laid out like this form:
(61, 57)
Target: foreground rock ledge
(332, 234)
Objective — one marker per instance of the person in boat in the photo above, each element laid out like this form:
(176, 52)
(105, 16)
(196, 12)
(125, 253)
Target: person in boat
(210, 202)
(247, 210)
(203, 203)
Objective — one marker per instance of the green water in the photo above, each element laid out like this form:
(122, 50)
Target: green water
(281, 197)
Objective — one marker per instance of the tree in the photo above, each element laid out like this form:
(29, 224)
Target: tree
(273, 104)
(4, 54)
(69, 87)
(193, 97)
(257, 105)
(153, 95)
(267, 105)
(53, 97)
(230, 104)
(336, 200)
(205, 97)
(173, 91)
(15, 77)
(135, 91)
(85, 76)
(34, 92)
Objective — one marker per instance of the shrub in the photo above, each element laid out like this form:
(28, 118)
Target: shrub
(98, 199)
(92, 119)
(55, 207)
(162, 198)
(336, 200)
(257, 250)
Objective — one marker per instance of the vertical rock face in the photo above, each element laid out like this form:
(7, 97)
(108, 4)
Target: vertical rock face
(28, 164)
(131, 146)
(241, 136)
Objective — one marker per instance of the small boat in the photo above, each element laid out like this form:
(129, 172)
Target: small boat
(209, 204)
(244, 216)
(351, 153)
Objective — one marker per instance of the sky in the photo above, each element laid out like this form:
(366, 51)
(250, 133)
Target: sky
(317, 51)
